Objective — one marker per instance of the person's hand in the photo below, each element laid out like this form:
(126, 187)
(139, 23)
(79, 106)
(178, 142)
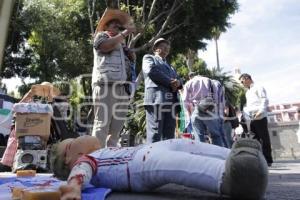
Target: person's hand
(129, 29)
(175, 84)
(257, 115)
(70, 192)
(131, 55)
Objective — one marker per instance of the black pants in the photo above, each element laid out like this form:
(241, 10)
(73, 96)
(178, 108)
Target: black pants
(261, 133)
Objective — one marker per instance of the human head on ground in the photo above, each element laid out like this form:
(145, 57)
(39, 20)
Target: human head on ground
(64, 154)
(161, 47)
(246, 80)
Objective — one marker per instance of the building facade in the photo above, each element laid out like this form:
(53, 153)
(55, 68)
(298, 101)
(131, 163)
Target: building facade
(284, 131)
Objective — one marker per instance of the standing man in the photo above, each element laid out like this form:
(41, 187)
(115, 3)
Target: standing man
(256, 112)
(161, 90)
(110, 72)
(200, 99)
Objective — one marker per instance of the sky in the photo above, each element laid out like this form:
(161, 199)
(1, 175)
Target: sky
(264, 41)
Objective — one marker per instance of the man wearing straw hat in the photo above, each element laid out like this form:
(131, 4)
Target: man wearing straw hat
(110, 72)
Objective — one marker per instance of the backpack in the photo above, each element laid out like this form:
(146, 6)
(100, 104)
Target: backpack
(207, 103)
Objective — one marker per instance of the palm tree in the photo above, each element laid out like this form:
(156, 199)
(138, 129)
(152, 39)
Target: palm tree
(216, 35)
(232, 88)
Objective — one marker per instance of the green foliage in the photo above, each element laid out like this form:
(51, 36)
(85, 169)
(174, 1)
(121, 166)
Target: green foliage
(136, 122)
(57, 41)
(179, 63)
(51, 40)
(77, 95)
(241, 98)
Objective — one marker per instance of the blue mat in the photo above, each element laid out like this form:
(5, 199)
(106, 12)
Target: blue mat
(6, 183)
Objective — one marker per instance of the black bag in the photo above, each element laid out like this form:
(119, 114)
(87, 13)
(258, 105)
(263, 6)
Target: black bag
(207, 103)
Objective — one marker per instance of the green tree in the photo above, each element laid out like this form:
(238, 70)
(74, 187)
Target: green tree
(53, 41)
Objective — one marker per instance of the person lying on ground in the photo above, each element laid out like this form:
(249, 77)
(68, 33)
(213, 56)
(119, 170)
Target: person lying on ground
(240, 173)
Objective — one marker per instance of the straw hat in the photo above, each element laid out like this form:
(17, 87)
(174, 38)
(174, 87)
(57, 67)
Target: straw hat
(110, 14)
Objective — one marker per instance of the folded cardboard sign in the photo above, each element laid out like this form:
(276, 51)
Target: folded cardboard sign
(33, 124)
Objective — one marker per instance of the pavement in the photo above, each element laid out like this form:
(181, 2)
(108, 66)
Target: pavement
(284, 184)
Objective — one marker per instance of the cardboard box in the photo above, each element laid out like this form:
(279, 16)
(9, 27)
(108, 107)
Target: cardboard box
(33, 124)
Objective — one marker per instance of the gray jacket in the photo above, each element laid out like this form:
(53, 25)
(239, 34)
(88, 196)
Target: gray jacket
(157, 76)
(108, 67)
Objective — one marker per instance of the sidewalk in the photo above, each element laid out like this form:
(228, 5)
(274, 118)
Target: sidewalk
(284, 184)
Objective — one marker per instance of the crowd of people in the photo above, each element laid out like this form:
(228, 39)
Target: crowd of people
(218, 167)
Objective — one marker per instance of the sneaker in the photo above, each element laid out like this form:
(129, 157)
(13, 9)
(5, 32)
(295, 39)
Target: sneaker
(245, 142)
(4, 168)
(246, 171)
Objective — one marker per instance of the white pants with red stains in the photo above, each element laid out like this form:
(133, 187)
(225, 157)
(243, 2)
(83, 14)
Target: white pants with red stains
(181, 161)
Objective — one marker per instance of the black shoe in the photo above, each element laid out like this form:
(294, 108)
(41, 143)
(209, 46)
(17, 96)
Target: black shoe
(270, 164)
(4, 168)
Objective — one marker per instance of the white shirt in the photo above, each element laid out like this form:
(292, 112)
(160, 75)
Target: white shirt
(257, 101)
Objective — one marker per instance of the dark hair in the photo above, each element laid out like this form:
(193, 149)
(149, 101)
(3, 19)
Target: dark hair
(57, 164)
(246, 76)
(192, 74)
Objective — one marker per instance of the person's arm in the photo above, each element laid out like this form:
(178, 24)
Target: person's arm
(81, 175)
(186, 95)
(179, 81)
(111, 43)
(262, 95)
(151, 69)
(160, 78)
(27, 97)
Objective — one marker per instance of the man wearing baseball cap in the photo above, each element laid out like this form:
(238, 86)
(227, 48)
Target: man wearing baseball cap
(161, 89)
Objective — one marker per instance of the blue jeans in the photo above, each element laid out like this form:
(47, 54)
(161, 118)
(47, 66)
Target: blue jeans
(203, 123)
(228, 131)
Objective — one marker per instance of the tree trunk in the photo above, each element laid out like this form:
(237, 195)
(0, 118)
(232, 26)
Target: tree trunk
(190, 59)
(217, 54)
